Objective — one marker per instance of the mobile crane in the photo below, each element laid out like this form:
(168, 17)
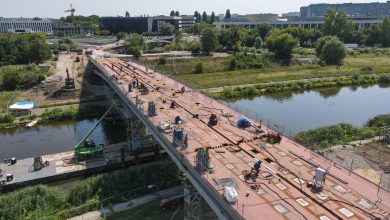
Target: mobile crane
(87, 148)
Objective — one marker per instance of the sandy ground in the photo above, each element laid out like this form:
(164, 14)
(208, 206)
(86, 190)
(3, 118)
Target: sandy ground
(367, 159)
(51, 90)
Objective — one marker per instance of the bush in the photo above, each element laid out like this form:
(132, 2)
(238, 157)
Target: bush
(379, 121)
(7, 118)
(244, 61)
(367, 69)
(11, 80)
(384, 79)
(327, 136)
(199, 67)
(162, 61)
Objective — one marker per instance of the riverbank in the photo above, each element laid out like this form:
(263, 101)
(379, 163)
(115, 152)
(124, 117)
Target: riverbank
(327, 136)
(235, 92)
(60, 111)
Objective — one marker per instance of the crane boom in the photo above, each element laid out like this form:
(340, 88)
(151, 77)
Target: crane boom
(94, 127)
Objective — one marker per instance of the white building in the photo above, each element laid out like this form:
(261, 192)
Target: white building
(25, 25)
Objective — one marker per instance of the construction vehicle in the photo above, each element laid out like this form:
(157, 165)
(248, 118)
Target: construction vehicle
(87, 148)
(69, 82)
(88, 52)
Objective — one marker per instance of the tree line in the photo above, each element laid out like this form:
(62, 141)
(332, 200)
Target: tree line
(23, 48)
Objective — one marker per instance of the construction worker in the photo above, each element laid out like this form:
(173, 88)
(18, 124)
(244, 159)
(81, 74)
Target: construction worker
(256, 167)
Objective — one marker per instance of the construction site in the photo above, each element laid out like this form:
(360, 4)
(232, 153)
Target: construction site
(235, 167)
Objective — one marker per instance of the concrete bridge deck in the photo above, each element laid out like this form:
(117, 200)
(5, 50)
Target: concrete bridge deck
(279, 192)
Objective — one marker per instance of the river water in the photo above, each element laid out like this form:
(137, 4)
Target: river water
(303, 110)
(56, 137)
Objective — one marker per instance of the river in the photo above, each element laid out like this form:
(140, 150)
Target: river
(56, 137)
(303, 110)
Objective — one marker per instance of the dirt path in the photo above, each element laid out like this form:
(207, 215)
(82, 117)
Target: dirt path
(366, 159)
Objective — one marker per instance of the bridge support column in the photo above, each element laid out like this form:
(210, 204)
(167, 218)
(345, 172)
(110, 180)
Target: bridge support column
(137, 135)
(195, 208)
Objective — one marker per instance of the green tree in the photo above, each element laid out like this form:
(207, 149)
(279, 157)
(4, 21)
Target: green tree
(134, 44)
(11, 80)
(209, 40)
(199, 67)
(263, 30)
(105, 32)
(40, 50)
(204, 17)
(194, 47)
(333, 52)
(321, 42)
(373, 35)
(385, 32)
(166, 28)
(172, 13)
(212, 19)
(227, 14)
(337, 23)
(281, 44)
(127, 14)
(177, 13)
(197, 17)
(258, 42)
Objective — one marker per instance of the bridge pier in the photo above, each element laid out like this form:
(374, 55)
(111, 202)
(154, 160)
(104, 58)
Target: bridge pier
(195, 207)
(136, 133)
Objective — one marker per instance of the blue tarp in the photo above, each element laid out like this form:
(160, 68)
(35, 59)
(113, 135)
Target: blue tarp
(244, 122)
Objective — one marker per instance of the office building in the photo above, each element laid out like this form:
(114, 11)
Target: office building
(25, 25)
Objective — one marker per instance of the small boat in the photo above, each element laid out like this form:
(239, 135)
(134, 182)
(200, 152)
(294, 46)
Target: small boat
(32, 124)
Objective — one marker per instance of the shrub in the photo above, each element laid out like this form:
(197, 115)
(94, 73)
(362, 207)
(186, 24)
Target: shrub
(327, 136)
(199, 67)
(379, 121)
(7, 118)
(162, 61)
(245, 61)
(384, 79)
(366, 69)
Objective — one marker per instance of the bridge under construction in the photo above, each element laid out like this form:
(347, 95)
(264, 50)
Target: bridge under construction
(239, 167)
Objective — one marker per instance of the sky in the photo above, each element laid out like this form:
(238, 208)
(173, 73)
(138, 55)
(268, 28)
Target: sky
(55, 8)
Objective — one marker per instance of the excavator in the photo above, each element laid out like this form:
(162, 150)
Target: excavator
(87, 148)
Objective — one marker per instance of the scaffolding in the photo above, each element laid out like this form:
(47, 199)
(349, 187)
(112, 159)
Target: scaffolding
(137, 135)
(385, 134)
(202, 160)
(195, 207)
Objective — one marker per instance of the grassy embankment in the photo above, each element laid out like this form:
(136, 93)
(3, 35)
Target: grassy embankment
(327, 136)
(89, 194)
(357, 69)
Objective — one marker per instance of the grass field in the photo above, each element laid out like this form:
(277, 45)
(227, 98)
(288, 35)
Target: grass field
(211, 79)
(148, 211)
(186, 66)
